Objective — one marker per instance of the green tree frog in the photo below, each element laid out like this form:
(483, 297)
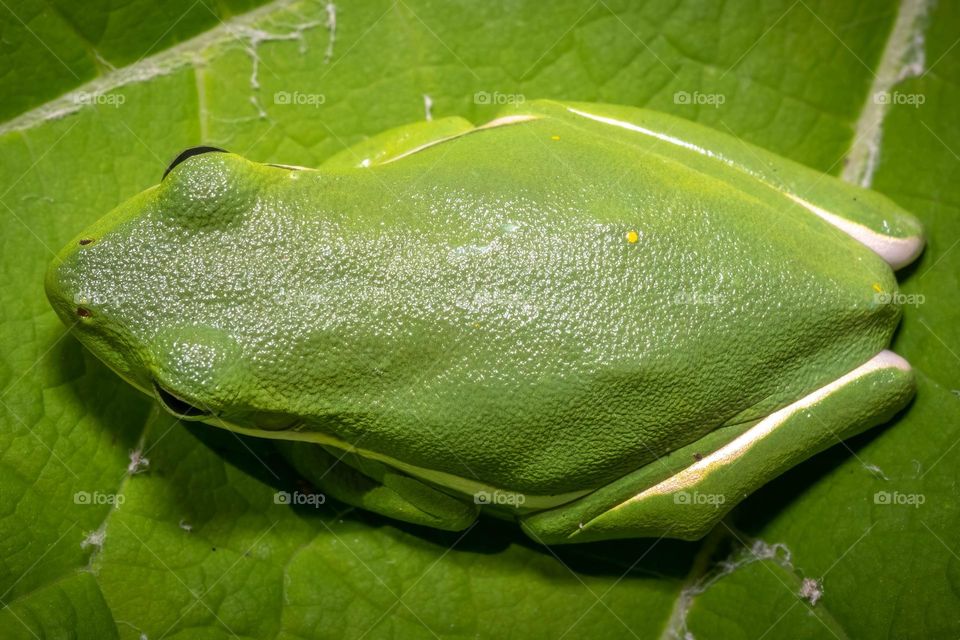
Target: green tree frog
(596, 320)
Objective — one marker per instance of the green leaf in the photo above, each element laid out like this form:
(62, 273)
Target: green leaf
(50, 46)
(115, 521)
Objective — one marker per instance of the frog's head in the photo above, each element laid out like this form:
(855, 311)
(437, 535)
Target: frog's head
(158, 289)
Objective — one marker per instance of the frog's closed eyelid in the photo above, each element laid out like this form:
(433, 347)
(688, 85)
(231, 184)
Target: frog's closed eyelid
(189, 153)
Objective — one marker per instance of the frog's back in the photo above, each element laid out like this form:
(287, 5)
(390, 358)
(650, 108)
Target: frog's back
(544, 307)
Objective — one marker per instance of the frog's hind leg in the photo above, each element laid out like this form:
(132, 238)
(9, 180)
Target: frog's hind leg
(867, 216)
(376, 487)
(685, 494)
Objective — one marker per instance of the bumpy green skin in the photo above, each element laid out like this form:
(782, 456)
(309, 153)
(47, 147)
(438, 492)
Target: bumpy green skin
(546, 307)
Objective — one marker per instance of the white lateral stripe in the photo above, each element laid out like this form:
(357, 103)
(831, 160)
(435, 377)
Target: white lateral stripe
(733, 450)
(466, 486)
(292, 167)
(499, 122)
(649, 132)
(897, 252)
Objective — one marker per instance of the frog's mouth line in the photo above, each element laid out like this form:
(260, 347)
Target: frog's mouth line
(177, 406)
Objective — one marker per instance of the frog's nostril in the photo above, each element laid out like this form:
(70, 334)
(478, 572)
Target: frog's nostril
(83, 312)
(85, 241)
(178, 407)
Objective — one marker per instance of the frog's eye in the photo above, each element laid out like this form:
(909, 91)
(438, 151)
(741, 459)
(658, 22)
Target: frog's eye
(178, 407)
(189, 153)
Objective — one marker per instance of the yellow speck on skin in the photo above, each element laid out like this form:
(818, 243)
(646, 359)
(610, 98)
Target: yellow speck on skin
(554, 137)
(632, 236)
(877, 287)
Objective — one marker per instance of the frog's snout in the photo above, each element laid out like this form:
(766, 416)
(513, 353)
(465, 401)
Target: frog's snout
(61, 287)
(86, 304)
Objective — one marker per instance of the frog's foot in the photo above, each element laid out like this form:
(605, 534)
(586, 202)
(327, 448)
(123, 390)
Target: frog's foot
(375, 487)
(676, 499)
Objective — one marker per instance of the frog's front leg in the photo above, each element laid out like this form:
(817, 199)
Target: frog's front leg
(685, 494)
(373, 486)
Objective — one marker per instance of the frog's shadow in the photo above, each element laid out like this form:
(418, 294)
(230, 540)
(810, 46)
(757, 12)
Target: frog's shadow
(642, 557)
(488, 536)
(768, 502)
(663, 558)
(105, 398)
(639, 558)
(110, 402)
